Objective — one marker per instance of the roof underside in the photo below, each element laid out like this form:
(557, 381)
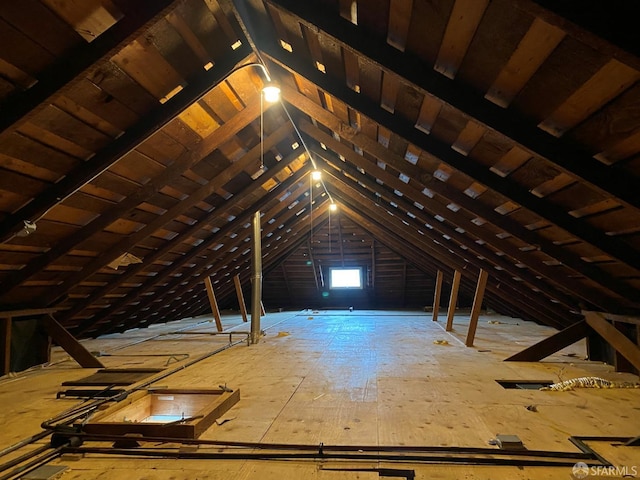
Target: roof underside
(453, 135)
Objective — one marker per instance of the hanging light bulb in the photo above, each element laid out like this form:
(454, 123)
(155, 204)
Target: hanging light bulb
(333, 207)
(271, 92)
(316, 175)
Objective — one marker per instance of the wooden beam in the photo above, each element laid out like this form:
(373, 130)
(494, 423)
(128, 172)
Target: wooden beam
(432, 209)
(213, 302)
(200, 252)
(406, 130)
(613, 337)
(539, 311)
(561, 152)
(595, 296)
(389, 236)
(453, 259)
(185, 161)
(169, 246)
(199, 195)
(552, 344)
(436, 295)
(70, 345)
(477, 305)
(5, 348)
(135, 135)
(453, 299)
(243, 307)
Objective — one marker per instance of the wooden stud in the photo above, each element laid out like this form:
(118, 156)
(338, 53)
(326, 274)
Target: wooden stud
(552, 344)
(477, 305)
(614, 337)
(453, 299)
(212, 301)
(70, 345)
(243, 307)
(436, 295)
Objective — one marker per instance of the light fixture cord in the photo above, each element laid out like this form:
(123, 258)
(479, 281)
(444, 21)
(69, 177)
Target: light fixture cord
(261, 131)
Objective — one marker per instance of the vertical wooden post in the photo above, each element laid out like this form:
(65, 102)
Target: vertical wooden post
(453, 300)
(213, 302)
(243, 307)
(436, 296)
(477, 305)
(5, 348)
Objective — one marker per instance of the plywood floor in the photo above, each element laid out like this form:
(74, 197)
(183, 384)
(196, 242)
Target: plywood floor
(349, 378)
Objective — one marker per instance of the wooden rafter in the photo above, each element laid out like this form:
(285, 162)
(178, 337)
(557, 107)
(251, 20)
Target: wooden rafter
(578, 266)
(103, 159)
(563, 154)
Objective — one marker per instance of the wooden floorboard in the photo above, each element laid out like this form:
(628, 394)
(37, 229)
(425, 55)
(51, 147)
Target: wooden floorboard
(348, 378)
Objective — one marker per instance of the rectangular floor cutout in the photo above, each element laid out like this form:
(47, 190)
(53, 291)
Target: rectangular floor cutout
(524, 384)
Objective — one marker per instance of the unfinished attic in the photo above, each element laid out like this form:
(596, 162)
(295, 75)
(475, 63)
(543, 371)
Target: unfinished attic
(420, 259)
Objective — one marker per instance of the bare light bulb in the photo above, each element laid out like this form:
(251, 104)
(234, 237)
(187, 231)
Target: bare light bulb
(333, 207)
(316, 175)
(271, 93)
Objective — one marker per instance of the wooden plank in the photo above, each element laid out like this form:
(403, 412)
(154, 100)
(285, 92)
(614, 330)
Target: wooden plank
(5, 348)
(453, 299)
(436, 295)
(214, 304)
(534, 48)
(463, 22)
(611, 80)
(614, 337)
(74, 348)
(242, 305)
(552, 344)
(399, 21)
(477, 305)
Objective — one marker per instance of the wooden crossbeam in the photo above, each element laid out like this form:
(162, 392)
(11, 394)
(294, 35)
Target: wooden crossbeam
(477, 305)
(436, 295)
(552, 344)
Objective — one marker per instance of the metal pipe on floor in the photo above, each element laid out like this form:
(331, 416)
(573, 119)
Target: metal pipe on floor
(256, 277)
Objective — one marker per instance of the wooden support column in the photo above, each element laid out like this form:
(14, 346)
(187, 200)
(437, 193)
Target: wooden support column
(5, 348)
(552, 344)
(436, 295)
(477, 305)
(615, 338)
(72, 346)
(243, 307)
(453, 299)
(213, 302)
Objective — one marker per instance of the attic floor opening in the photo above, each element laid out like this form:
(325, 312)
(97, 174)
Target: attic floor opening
(376, 378)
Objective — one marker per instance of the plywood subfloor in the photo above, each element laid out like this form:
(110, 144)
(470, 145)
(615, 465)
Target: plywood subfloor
(351, 378)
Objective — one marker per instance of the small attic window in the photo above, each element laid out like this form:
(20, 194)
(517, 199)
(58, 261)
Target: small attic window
(345, 278)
